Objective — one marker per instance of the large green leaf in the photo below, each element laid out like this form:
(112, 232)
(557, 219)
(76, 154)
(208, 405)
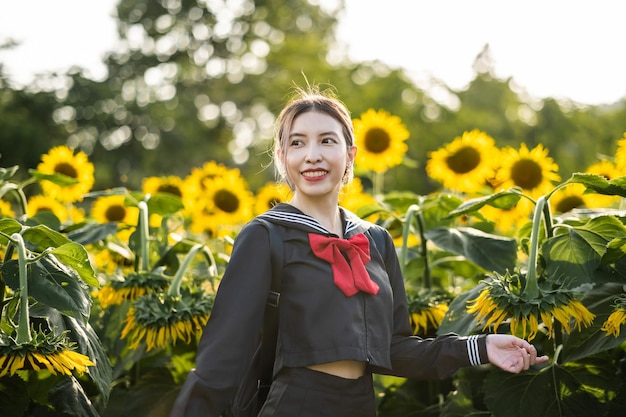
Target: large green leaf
(592, 340)
(578, 252)
(491, 252)
(43, 237)
(555, 391)
(159, 203)
(457, 320)
(92, 233)
(9, 226)
(74, 256)
(89, 344)
(502, 200)
(57, 178)
(599, 184)
(51, 284)
(69, 398)
(14, 396)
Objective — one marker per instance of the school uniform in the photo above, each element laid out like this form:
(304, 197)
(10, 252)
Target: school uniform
(340, 299)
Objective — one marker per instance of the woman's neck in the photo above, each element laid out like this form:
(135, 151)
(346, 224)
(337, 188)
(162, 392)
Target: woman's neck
(327, 215)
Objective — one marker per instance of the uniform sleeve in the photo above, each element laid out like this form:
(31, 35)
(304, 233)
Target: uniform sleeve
(416, 357)
(233, 330)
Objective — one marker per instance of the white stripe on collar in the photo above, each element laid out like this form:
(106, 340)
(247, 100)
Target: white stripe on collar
(305, 220)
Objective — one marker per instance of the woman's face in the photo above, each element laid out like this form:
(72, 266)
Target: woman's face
(316, 156)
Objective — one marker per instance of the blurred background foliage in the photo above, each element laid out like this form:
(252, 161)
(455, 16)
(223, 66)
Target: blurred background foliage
(195, 80)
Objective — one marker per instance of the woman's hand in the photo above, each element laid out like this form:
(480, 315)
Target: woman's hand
(511, 353)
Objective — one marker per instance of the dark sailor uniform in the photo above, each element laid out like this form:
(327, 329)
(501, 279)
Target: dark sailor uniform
(341, 299)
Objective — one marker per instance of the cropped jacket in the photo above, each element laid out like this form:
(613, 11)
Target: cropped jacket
(318, 322)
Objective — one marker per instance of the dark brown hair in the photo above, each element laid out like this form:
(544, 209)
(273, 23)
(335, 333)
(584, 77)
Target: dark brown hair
(311, 99)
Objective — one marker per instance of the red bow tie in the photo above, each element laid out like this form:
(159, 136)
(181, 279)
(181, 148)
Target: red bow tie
(349, 277)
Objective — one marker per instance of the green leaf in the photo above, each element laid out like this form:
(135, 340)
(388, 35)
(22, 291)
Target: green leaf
(160, 203)
(92, 233)
(69, 398)
(502, 200)
(600, 185)
(52, 284)
(577, 253)
(491, 252)
(7, 173)
(43, 237)
(457, 320)
(555, 391)
(592, 340)
(14, 396)
(59, 179)
(616, 250)
(9, 226)
(90, 345)
(74, 255)
(109, 192)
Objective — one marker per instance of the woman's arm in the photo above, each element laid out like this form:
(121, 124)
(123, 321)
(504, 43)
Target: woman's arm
(233, 330)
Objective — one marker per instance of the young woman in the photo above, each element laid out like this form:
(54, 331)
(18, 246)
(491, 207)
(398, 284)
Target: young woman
(343, 309)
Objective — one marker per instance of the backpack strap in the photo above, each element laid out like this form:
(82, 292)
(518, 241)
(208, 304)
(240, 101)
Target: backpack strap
(270, 320)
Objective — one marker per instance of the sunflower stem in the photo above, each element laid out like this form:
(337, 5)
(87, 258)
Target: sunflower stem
(144, 235)
(174, 290)
(378, 182)
(23, 328)
(531, 289)
(415, 211)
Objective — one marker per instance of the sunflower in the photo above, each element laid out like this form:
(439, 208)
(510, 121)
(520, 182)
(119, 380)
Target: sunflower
(270, 195)
(617, 318)
(508, 221)
(6, 210)
(620, 155)
(426, 310)
(229, 197)
(531, 170)
(466, 164)
(131, 288)
(160, 320)
(380, 138)
(502, 299)
(45, 351)
(41, 203)
(108, 261)
(352, 196)
(171, 185)
(571, 197)
(62, 160)
(195, 184)
(111, 209)
(608, 170)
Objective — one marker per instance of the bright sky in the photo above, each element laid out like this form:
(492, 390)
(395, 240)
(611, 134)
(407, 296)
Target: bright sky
(552, 48)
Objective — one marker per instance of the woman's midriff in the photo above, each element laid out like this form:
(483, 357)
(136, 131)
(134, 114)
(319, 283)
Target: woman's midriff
(343, 369)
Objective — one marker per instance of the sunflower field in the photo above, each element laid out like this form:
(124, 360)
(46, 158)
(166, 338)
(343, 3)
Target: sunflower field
(105, 292)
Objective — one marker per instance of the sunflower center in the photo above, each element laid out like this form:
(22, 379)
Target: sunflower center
(526, 174)
(170, 189)
(226, 201)
(377, 140)
(115, 213)
(66, 169)
(464, 160)
(273, 202)
(569, 203)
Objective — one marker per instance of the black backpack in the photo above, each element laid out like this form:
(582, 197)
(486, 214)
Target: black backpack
(254, 387)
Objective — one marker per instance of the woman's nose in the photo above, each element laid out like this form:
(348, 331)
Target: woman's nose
(313, 154)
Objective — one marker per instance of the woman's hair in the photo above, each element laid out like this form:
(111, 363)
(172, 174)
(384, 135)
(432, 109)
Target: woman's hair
(304, 101)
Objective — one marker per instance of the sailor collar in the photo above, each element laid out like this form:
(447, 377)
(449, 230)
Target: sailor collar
(288, 215)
